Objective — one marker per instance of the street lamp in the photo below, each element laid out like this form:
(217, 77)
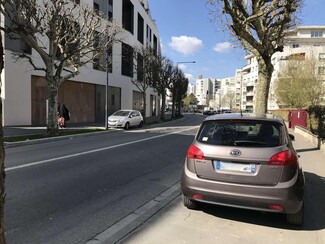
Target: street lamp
(185, 62)
(106, 90)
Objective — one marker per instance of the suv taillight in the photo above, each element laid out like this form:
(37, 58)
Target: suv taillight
(285, 158)
(195, 153)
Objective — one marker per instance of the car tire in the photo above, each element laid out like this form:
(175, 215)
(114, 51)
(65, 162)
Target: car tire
(140, 124)
(191, 204)
(127, 126)
(296, 218)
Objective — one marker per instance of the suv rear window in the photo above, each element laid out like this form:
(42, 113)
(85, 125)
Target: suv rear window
(242, 133)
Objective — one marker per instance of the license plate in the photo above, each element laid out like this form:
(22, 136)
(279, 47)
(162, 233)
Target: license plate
(220, 165)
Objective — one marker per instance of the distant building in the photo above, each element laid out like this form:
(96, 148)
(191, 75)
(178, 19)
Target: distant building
(216, 93)
(204, 90)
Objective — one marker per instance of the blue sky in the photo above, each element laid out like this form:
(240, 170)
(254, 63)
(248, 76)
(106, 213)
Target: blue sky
(187, 34)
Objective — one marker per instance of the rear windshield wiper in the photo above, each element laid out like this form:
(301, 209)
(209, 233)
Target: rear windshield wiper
(249, 143)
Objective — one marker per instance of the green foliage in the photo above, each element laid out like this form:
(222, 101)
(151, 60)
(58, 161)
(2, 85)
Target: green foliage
(281, 114)
(190, 100)
(317, 120)
(298, 85)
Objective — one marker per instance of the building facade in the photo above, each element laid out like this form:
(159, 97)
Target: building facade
(205, 89)
(301, 43)
(24, 91)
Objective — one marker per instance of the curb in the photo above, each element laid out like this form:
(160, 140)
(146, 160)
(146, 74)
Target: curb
(58, 138)
(123, 228)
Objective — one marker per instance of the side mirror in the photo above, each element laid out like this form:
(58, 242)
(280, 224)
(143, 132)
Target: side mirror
(292, 137)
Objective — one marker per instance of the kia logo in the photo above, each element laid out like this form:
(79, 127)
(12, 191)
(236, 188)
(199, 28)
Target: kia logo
(235, 152)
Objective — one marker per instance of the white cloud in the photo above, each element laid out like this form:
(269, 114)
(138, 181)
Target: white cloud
(222, 47)
(182, 66)
(190, 77)
(186, 44)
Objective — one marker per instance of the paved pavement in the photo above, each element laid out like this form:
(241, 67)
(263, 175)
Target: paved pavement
(166, 220)
(31, 130)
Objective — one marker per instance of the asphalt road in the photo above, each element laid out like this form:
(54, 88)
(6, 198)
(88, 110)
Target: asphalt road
(69, 191)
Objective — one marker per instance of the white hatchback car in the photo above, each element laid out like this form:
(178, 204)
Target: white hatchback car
(125, 119)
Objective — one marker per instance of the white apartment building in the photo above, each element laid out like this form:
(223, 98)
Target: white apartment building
(299, 43)
(216, 93)
(203, 90)
(24, 91)
(249, 77)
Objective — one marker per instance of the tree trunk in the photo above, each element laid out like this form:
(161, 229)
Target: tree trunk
(265, 70)
(52, 125)
(2, 158)
(173, 106)
(144, 106)
(163, 106)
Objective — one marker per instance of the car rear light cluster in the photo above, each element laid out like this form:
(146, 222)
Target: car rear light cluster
(195, 153)
(276, 207)
(285, 158)
(197, 196)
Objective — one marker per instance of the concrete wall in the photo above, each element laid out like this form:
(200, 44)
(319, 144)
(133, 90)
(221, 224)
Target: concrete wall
(314, 139)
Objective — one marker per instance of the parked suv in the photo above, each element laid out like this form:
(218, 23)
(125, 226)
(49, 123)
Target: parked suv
(245, 161)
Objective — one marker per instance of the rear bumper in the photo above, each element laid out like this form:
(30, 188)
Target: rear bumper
(114, 124)
(288, 195)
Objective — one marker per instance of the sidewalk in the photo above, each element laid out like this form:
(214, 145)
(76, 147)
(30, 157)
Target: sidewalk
(32, 130)
(215, 224)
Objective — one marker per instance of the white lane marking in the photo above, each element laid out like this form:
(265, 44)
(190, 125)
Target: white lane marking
(95, 150)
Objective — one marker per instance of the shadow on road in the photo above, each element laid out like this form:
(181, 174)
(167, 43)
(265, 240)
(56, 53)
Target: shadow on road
(307, 149)
(314, 212)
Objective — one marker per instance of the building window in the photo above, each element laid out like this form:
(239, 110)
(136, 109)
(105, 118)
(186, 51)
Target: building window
(140, 28)
(149, 35)
(127, 60)
(321, 70)
(316, 33)
(140, 67)
(99, 61)
(322, 57)
(25, 47)
(96, 8)
(110, 9)
(127, 15)
(155, 45)
(138, 101)
(113, 100)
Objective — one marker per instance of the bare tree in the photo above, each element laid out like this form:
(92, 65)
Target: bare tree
(259, 25)
(178, 89)
(229, 99)
(299, 84)
(163, 81)
(2, 156)
(66, 36)
(145, 68)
